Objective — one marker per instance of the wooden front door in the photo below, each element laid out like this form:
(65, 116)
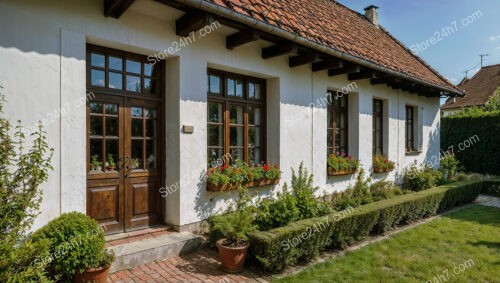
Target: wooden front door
(124, 141)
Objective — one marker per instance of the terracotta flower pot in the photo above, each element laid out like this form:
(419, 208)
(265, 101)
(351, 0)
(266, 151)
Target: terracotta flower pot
(232, 259)
(94, 275)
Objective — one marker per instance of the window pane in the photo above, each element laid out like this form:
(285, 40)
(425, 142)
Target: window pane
(215, 136)
(97, 78)
(137, 128)
(95, 126)
(112, 109)
(253, 136)
(236, 115)
(151, 113)
(215, 157)
(151, 128)
(115, 80)
(254, 156)
(214, 84)
(257, 91)
(251, 90)
(343, 100)
(329, 138)
(97, 60)
(148, 70)
(133, 66)
(95, 107)
(111, 126)
(111, 154)
(151, 154)
(230, 87)
(239, 88)
(149, 86)
(115, 63)
(214, 112)
(236, 154)
(330, 119)
(96, 149)
(236, 136)
(133, 83)
(136, 111)
(253, 115)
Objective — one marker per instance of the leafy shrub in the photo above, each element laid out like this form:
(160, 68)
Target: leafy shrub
(22, 171)
(303, 240)
(449, 165)
(384, 190)
(276, 213)
(353, 196)
(76, 243)
(416, 179)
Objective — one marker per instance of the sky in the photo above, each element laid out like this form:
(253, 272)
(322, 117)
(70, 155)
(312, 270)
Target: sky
(466, 29)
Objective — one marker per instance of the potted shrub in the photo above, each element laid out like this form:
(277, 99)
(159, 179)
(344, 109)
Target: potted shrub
(226, 177)
(110, 163)
(77, 249)
(340, 164)
(134, 163)
(95, 164)
(235, 225)
(382, 164)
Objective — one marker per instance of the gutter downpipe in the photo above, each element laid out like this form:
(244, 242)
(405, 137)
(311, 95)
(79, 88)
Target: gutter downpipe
(262, 26)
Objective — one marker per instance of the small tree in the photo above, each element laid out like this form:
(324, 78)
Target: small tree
(22, 171)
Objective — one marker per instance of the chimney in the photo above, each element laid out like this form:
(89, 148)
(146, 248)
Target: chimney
(371, 14)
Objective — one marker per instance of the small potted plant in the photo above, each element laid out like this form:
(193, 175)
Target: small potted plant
(382, 164)
(134, 163)
(110, 163)
(235, 225)
(95, 164)
(78, 245)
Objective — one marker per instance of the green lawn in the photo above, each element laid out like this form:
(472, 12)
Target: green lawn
(460, 247)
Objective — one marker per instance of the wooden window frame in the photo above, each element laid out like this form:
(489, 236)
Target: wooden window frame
(245, 102)
(410, 124)
(344, 111)
(380, 117)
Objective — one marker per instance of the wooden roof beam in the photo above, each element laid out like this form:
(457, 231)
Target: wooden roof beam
(116, 8)
(330, 63)
(279, 50)
(242, 37)
(302, 59)
(191, 22)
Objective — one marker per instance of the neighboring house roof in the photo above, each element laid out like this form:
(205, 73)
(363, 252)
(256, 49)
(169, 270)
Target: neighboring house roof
(479, 88)
(333, 25)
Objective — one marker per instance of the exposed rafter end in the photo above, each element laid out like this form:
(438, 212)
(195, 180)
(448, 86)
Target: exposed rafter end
(278, 50)
(330, 63)
(241, 38)
(191, 22)
(302, 59)
(116, 8)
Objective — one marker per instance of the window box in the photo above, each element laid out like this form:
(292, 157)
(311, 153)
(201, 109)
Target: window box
(234, 186)
(333, 173)
(382, 164)
(340, 164)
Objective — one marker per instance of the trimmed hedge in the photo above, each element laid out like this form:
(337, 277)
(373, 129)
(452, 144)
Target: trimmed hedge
(275, 249)
(492, 188)
(481, 156)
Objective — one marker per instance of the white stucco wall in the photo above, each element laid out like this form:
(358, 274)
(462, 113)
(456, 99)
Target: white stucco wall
(42, 67)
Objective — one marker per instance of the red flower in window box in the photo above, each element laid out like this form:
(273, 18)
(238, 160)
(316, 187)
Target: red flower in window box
(266, 168)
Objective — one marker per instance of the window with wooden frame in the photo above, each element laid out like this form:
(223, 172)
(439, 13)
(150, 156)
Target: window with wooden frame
(236, 118)
(337, 136)
(378, 127)
(410, 129)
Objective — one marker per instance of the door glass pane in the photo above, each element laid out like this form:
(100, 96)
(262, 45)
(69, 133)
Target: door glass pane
(133, 83)
(96, 107)
(111, 109)
(150, 128)
(111, 126)
(236, 136)
(97, 60)
(115, 80)
(96, 154)
(150, 113)
(97, 78)
(151, 154)
(96, 125)
(111, 154)
(215, 136)
(236, 115)
(136, 152)
(115, 63)
(214, 112)
(133, 67)
(136, 127)
(149, 86)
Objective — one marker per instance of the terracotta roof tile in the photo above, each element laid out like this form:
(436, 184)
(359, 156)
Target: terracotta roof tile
(479, 88)
(331, 24)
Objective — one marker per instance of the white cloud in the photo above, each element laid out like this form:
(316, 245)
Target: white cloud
(495, 37)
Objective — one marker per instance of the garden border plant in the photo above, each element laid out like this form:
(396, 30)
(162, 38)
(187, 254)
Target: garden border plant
(269, 251)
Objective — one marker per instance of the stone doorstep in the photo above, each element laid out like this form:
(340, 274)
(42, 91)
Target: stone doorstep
(130, 255)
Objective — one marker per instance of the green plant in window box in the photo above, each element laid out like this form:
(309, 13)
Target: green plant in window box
(95, 164)
(110, 163)
(382, 164)
(227, 177)
(340, 164)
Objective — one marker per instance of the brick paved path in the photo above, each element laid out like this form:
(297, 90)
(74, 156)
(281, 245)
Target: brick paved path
(202, 266)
